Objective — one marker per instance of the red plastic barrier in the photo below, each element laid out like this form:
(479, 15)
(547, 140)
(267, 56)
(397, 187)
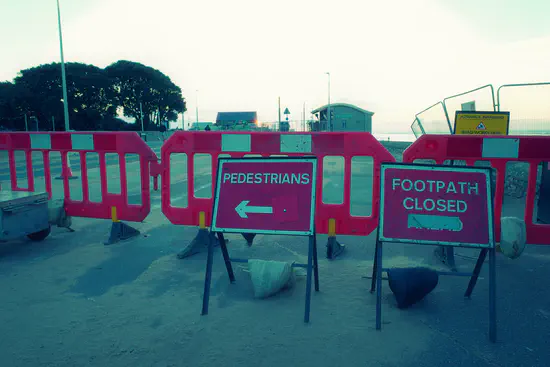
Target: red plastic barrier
(102, 143)
(498, 151)
(238, 145)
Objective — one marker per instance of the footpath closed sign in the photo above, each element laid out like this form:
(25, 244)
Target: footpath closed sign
(481, 123)
(443, 205)
(265, 195)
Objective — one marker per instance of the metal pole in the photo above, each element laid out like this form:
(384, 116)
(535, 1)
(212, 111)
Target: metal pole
(329, 127)
(279, 99)
(53, 123)
(183, 115)
(141, 115)
(26, 124)
(304, 120)
(492, 296)
(197, 106)
(63, 76)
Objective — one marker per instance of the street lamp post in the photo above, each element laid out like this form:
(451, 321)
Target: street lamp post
(197, 106)
(63, 76)
(183, 113)
(329, 119)
(141, 116)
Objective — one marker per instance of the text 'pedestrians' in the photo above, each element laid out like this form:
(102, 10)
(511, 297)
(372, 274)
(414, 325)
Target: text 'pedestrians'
(267, 178)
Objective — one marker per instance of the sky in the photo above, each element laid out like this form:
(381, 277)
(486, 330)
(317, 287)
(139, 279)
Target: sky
(394, 58)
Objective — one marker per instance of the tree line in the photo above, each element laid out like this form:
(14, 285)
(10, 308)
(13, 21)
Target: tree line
(96, 97)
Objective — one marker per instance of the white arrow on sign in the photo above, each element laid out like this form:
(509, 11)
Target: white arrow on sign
(435, 222)
(243, 209)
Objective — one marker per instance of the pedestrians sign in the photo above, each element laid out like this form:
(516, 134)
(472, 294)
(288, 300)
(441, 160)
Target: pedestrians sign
(446, 205)
(265, 195)
(481, 123)
(287, 112)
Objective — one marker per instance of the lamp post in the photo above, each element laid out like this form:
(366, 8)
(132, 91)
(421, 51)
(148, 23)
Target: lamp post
(141, 116)
(183, 113)
(63, 76)
(329, 127)
(197, 106)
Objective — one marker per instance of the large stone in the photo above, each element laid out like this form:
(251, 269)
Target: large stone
(410, 285)
(269, 277)
(513, 236)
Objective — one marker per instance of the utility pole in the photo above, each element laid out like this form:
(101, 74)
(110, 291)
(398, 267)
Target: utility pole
(183, 114)
(304, 119)
(329, 127)
(279, 124)
(197, 106)
(63, 76)
(141, 115)
(53, 123)
(26, 123)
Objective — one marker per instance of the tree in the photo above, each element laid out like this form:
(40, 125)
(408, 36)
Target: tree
(89, 91)
(7, 108)
(136, 84)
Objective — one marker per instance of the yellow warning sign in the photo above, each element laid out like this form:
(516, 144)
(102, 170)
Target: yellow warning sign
(481, 123)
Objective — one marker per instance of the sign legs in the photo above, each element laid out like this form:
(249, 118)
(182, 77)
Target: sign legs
(208, 275)
(492, 288)
(374, 267)
(315, 263)
(226, 258)
(492, 296)
(475, 274)
(379, 286)
(308, 282)
(312, 270)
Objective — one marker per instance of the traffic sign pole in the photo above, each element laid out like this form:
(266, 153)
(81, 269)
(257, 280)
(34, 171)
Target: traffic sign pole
(267, 196)
(437, 205)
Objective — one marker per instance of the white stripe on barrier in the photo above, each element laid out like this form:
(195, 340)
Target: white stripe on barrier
(236, 143)
(295, 143)
(41, 141)
(500, 148)
(82, 141)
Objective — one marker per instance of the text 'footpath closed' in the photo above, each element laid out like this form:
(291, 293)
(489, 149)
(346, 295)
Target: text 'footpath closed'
(438, 187)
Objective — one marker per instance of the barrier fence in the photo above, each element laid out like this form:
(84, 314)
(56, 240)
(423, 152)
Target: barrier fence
(348, 172)
(498, 151)
(336, 152)
(37, 149)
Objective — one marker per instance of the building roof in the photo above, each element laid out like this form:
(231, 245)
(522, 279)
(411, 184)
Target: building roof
(237, 116)
(322, 108)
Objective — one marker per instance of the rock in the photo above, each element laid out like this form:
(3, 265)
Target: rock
(513, 236)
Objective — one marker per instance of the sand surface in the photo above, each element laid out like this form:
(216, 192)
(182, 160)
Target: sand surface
(71, 301)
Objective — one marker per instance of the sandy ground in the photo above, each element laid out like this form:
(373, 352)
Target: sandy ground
(71, 301)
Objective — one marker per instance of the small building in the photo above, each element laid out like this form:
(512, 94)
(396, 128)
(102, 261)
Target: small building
(232, 120)
(344, 117)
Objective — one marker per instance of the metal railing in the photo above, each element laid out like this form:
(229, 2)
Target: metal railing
(445, 116)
